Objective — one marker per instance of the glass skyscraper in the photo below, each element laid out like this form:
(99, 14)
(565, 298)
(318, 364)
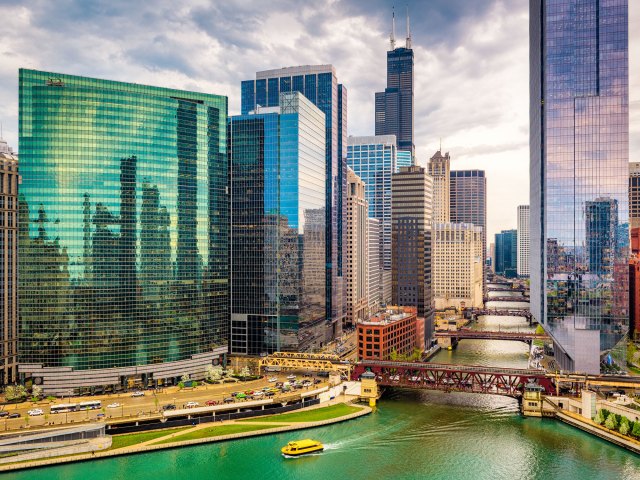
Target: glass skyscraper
(579, 179)
(373, 159)
(506, 247)
(123, 233)
(320, 85)
(277, 184)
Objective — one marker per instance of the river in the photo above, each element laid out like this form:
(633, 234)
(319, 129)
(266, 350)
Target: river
(411, 435)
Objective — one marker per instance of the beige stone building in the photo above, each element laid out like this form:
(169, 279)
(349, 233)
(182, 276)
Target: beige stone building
(457, 265)
(357, 250)
(440, 171)
(9, 181)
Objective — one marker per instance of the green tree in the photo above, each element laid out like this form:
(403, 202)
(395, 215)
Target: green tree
(611, 422)
(635, 431)
(599, 418)
(393, 356)
(624, 427)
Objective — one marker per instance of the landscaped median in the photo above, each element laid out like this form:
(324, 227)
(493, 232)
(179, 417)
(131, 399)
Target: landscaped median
(204, 433)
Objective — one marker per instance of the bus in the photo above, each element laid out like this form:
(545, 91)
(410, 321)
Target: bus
(64, 408)
(91, 405)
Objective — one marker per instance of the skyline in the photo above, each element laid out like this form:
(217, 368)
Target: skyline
(458, 48)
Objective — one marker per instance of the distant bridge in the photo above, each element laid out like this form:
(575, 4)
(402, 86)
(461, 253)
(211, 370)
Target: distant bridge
(306, 361)
(454, 378)
(503, 312)
(506, 299)
(508, 289)
(527, 337)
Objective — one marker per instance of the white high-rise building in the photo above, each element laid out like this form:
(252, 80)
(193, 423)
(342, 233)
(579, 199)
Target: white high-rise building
(440, 171)
(523, 240)
(375, 265)
(357, 250)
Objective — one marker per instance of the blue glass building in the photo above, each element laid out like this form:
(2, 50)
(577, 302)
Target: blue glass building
(506, 248)
(123, 233)
(373, 159)
(320, 85)
(579, 179)
(277, 184)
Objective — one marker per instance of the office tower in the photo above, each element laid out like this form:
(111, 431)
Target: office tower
(123, 233)
(507, 253)
(403, 159)
(579, 144)
(9, 181)
(492, 253)
(357, 262)
(320, 85)
(457, 265)
(373, 159)
(439, 169)
(634, 285)
(634, 194)
(468, 201)
(375, 265)
(277, 172)
(412, 204)
(523, 241)
(390, 332)
(394, 106)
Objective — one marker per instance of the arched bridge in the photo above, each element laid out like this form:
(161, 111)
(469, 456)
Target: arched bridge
(489, 335)
(450, 378)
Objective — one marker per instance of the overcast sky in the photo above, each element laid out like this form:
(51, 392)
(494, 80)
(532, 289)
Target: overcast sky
(471, 64)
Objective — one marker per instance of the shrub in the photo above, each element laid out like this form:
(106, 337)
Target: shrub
(624, 428)
(635, 431)
(599, 418)
(180, 385)
(611, 422)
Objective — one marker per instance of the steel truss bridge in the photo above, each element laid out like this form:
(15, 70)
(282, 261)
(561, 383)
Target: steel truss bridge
(306, 361)
(489, 335)
(506, 299)
(454, 378)
(504, 312)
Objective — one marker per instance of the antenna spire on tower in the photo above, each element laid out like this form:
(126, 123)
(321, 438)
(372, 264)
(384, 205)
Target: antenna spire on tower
(393, 30)
(408, 30)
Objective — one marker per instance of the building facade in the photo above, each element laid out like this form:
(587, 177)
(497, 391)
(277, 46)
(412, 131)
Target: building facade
(277, 215)
(357, 250)
(412, 282)
(9, 182)
(440, 171)
(394, 106)
(123, 233)
(373, 159)
(396, 331)
(523, 241)
(320, 85)
(634, 195)
(507, 253)
(375, 265)
(457, 265)
(468, 201)
(634, 285)
(579, 144)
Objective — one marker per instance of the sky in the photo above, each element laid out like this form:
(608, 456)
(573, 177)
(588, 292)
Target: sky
(471, 64)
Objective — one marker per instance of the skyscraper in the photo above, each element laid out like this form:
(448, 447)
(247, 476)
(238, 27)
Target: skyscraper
(375, 265)
(439, 169)
(9, 181)
(523, 240)
(320, 85)
(412, 209)
(507, 253)
(579, 162)
(468, 201)
(394, 106)
(357, 262)
(373, 159)
(277, 173)
(634, 195)
(123, 233)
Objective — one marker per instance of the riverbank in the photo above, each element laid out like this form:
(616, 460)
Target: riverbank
(206, 433)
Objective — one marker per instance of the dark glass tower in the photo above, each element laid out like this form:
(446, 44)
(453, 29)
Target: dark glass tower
(123, 232)
(506, 261)
(394, 106)
(319, 84)
(579, 179)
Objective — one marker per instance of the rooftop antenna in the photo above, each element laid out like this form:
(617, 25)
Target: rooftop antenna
(440, 144)
(392, 39)
(408, 30)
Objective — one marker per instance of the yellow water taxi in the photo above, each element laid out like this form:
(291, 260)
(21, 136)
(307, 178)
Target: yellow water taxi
(302, 447)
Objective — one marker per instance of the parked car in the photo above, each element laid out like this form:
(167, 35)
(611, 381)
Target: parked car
(269, 394)
(192, 404)
(138, 393)
(35, 412)
(210, 403)
(14, 415)
(4, 414)
(258, 394)
(273, 379)
(169, 406)
(113, 405)
(100, 415)
(317, 381)
(291, 377)
(229, 400)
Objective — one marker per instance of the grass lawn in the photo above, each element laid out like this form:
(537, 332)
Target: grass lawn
(214, 432)
(129, 439)
(314, 415)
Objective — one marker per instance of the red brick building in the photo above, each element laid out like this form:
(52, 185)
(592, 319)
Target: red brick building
(396, 328)
(634, 285)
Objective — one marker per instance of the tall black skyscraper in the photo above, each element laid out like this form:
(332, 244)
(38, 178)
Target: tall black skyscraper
(394, 106)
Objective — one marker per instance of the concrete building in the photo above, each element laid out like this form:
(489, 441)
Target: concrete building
(412, 283)
(390, 332)
(634, 195)
(507, 253)
(9, 181)
(440, 171)
(492, 254)
(523, 241)
(357, 250)
(375, 265)
(373, 159)
(457, 265)
(634, 285)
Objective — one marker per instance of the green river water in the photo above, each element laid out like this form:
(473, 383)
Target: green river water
(411, 435)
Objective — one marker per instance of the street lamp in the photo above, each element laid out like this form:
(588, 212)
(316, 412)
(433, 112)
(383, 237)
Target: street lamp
(122, 411)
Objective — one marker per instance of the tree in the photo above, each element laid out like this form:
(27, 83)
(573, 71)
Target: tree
(245, 372)
(185, 378)
(611, 423)
(599, 418)
(393, 356)
(635, 431)
(213, 374)
(36, 391)
(13, 393)
(624, 427)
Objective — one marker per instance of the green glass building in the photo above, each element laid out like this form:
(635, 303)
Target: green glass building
(123, 233)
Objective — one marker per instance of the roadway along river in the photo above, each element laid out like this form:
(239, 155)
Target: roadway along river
(411, 435)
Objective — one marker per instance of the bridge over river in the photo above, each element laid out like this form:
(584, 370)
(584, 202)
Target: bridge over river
(527, 337)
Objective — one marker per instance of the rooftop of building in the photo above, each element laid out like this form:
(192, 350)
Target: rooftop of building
(6, 153)
(390, 315)
(371, 140)
(298, 70)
